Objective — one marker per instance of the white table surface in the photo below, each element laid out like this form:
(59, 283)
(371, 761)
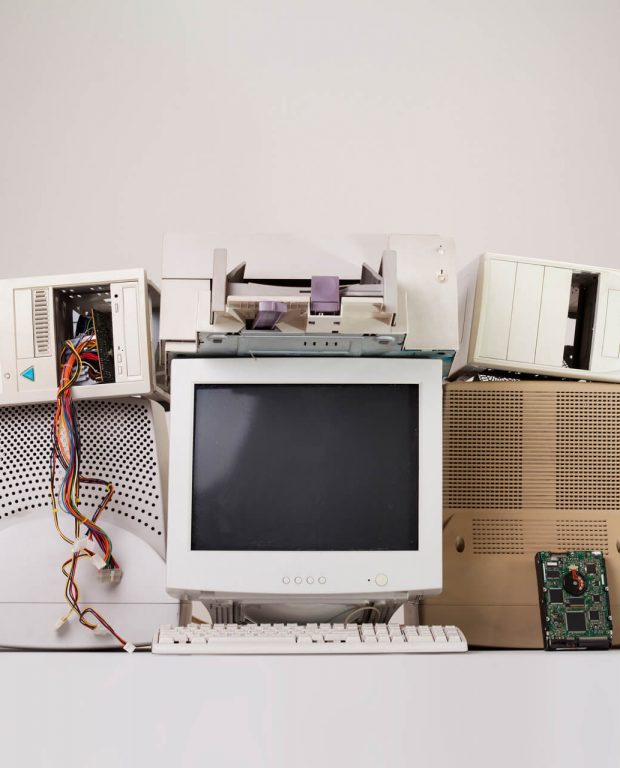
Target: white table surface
(500, 709)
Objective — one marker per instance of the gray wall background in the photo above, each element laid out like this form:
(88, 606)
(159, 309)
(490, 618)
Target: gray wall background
(495, 122)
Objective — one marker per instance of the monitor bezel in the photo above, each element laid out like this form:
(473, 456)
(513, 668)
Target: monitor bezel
(242, 574)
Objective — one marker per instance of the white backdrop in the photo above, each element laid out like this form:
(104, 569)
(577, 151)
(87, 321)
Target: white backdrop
(494, 122)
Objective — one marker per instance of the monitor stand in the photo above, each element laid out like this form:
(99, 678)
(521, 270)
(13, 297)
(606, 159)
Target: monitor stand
(302, 611)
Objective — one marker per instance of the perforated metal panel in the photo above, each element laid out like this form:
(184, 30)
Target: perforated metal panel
(513, 536)
(118, 439)
(532, 445)
(483, 449)
(588, 450)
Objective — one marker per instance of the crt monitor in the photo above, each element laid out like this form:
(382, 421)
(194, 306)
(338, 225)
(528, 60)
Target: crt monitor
(298, 479)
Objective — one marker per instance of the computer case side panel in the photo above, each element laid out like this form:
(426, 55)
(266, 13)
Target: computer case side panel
(528, 466)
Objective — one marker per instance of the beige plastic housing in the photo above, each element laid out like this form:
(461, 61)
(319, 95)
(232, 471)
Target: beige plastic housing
(36, 318)
(536, 316)
(212, 284)
(528, 466)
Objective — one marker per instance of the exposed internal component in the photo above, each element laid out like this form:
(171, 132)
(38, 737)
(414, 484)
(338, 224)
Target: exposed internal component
(580, 321)
(102, 324)
(574, 600)
(80, 311)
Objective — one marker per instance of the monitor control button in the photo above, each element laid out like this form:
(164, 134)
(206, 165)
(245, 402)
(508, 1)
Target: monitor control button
(298, 579)
(286, 580)
(322, 579)
(310, 580)
(381, 579)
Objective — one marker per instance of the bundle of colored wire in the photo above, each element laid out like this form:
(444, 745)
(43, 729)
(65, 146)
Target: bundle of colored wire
(77, 355)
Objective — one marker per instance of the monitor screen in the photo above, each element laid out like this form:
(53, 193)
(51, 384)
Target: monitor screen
(318, 467)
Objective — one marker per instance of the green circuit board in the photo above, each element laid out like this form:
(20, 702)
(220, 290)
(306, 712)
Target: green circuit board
(574, 600)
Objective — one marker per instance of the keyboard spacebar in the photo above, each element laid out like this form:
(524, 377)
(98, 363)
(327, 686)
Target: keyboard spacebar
(251, 641)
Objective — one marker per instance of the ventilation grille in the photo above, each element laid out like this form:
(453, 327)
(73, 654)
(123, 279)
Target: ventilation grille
(41, 321)
(483, 449)
(588, 450)
(532, 446)
(526, 537)
(118, 444)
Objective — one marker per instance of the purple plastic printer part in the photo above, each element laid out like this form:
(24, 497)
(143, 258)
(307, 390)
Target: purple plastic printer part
(269, 312)
(324, 295)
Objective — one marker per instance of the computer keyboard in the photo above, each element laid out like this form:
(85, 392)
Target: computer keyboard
(307, 638)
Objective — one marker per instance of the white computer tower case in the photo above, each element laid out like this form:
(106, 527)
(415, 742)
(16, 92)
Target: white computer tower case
(539, 317)
(39, 314)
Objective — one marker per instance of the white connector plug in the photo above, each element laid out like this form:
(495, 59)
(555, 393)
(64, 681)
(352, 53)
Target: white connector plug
(80, 544)
(97, 561)
(110, 575)
(129, 647)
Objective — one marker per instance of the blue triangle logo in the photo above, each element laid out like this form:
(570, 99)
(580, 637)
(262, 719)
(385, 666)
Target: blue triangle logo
(28, 373)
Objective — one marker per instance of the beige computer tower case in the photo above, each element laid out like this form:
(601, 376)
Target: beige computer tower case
(528, 466)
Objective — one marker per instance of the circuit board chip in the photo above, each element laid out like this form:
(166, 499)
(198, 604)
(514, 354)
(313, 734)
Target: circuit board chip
(574, 600)
(576, 621)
